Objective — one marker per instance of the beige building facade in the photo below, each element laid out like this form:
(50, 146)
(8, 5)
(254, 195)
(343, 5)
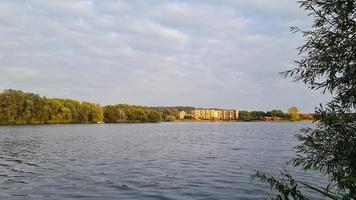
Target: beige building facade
(182, 114)
(215, 114)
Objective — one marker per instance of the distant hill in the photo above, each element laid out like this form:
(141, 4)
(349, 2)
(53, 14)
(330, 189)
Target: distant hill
(186, 109)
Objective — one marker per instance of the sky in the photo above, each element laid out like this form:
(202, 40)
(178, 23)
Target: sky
(202, 53)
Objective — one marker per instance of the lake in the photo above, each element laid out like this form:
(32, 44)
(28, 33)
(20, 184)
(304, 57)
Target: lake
(144, 161)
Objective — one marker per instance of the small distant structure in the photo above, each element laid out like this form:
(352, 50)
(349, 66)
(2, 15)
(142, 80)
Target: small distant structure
(272, 118)
(307, 116)
(182, 114)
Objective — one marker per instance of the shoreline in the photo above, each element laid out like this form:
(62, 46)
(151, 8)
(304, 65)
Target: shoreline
(177, 121)
(275, 121)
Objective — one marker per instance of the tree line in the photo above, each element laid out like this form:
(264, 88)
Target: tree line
(293, 114)
(21, 108)
(123, 113)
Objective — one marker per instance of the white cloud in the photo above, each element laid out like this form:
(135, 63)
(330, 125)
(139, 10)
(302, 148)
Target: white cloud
(199, 53)
(201, 16)
(155, 29)
(66, 7)
(115, 7)
(7, 10)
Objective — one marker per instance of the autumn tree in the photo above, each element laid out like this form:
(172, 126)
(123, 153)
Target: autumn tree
(294, 113)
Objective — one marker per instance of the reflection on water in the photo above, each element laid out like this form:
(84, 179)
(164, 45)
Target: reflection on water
(143, 161)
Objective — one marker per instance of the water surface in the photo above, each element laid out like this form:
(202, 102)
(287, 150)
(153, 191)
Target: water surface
(144, 161)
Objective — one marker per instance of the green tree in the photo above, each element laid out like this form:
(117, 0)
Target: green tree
(58, 112)
(17, 107)
(170, 118)
(93, 112)
(39, 109)
(170, 112)
(245, 115)
(294, 113)
(75, 108)
(111, 114)
(11, 106)
(126, 113)
(276, 113)
(328, 63)
(154, 116)
(138, 115)
(257, 115)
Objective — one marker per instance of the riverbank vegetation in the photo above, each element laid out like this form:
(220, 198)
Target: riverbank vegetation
(275, 115)
(21, 108)
(124, 113)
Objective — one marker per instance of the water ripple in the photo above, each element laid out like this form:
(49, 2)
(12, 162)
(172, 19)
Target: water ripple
(144, 161)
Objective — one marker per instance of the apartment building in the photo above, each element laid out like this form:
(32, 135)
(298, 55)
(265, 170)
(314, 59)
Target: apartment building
(215, 114)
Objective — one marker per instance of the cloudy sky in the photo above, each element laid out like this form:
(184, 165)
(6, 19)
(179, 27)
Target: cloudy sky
(203, 53)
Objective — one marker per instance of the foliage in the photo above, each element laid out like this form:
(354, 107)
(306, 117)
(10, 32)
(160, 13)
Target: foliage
(328, 63)
(258, 115)
(170, 118)
(127, 113)
(329, 54)
(17, 107)
(275, 113)
(170, 113)
(289, 188)
(154, 116)
(186, 109)
(245, 115)
(331, 147)
(294, 113)
(90, 113)
(58, 113)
